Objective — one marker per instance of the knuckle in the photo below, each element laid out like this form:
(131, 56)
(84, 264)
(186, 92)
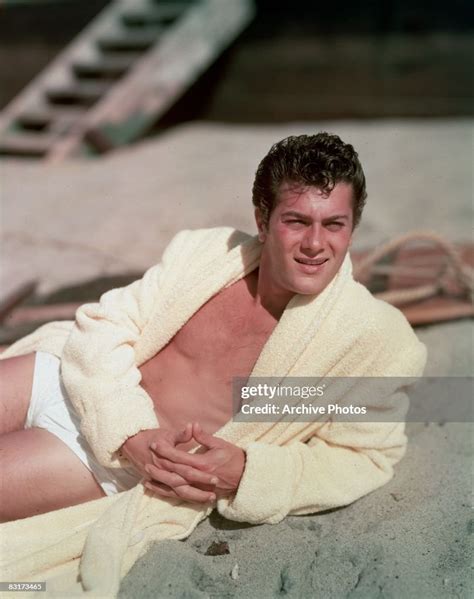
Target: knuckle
(182, 492)
(164, 489)
(165, 477)
(156, 461)
(158, 445)
(209, 468)
(188, 472)
(153, 470)
(176, 479)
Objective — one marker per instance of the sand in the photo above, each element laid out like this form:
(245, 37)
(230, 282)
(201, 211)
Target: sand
(118, 213)
(71, 222)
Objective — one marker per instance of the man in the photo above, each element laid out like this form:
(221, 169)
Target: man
(148, 371)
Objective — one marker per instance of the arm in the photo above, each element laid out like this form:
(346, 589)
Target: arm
(336, 467)
(99, 368)
(305, 478)
(342, 461)
(99, 362)
(339, 464)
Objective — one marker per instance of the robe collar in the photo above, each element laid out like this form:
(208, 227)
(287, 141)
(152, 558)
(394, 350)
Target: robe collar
(298, 324)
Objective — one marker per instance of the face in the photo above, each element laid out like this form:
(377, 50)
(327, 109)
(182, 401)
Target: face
(306, 239)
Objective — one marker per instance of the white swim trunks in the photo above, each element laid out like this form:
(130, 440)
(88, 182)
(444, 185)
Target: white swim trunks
(51, 409)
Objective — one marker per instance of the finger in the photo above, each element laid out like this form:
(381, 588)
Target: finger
(159, 462)
(162, 463)
(164, 450)
(160, 489)
(173, 438)
(205, 439)
(187, 493)
(192, 475)
(195, 495)
(172, 479)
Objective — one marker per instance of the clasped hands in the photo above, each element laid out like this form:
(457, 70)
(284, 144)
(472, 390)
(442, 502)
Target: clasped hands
(212, 472)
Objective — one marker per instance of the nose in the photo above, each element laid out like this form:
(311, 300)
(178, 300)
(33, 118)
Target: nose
(313, 240)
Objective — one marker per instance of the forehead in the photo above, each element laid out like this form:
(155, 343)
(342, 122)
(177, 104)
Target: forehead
(307, 198)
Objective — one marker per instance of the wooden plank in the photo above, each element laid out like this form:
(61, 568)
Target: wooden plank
(104, 67)
(82, 93)
(35, 145)
(17, 296)
(49, 312)
(126, 41)
(35, 120)
(164, 13)
(437, 310)
(54, 118)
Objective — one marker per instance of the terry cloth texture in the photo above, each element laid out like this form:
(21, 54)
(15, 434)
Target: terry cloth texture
(291, 468)
(50, 409)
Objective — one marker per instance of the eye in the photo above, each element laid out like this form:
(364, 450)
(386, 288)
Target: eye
(295, 220)
(334, 226)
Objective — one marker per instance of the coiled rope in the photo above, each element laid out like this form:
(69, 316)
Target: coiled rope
(453, 266)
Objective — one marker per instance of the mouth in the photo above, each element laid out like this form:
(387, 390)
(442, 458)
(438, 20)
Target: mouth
(311, 265)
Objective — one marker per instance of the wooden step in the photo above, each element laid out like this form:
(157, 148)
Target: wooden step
(165, 14)
(46, 119)
(82, 93)
(34, 120)
(34, 145)
(169, 4)
(130, 42)
(111, 67)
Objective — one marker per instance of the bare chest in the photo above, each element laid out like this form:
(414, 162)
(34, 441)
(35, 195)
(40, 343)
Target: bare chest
(224, 337)
(191, 378)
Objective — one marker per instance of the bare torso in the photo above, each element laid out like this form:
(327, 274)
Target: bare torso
(190, 379)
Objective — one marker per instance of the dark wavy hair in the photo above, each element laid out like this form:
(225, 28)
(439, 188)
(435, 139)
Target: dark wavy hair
(321, 161)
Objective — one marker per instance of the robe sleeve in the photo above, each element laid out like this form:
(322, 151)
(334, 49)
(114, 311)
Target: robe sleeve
(99, 369)
(344, 458)
(342, 462)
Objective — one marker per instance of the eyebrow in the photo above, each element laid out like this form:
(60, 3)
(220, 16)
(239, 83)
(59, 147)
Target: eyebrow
(306, 217)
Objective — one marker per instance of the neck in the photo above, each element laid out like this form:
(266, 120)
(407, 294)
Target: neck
(272, 299)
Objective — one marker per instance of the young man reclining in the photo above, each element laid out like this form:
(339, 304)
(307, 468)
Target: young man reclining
(125, 392)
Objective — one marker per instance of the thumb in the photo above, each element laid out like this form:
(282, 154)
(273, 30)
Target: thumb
(203, 438)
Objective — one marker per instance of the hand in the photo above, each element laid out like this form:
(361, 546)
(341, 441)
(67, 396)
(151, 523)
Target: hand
(222, 462)
(137, 448)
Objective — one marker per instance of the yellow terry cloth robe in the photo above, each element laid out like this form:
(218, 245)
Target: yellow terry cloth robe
(291, 468)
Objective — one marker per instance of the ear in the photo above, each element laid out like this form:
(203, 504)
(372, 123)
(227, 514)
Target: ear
(262, 229)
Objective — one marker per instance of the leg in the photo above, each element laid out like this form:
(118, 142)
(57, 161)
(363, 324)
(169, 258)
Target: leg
(39, 473)
(16, 381)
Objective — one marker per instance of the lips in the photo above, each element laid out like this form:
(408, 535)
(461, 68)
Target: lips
(311, 261)
(311, 266)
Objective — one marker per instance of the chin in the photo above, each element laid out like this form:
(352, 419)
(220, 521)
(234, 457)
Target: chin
(312, 285)
(308, 288)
